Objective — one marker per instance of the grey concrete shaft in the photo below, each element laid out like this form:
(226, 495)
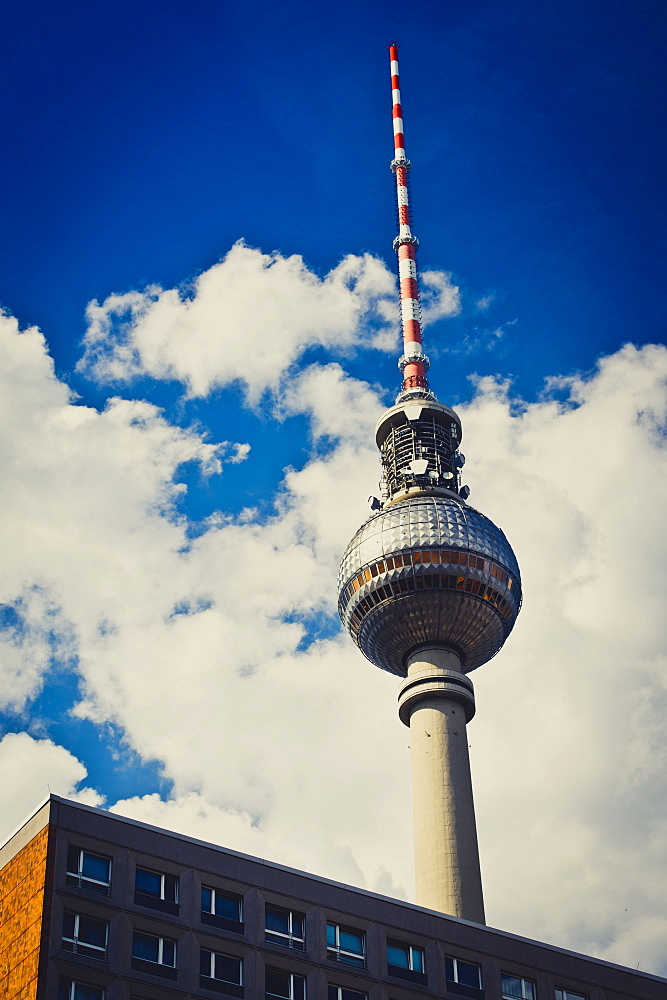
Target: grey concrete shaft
(437, 699)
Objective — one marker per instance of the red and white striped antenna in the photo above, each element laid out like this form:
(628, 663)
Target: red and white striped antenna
(413, 362)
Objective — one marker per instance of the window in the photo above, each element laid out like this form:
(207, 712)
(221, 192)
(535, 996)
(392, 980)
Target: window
(157, 890)
(68, 989)
(567, 995)
(222, 909)
(346, 945)
(222, 973)
(463, 978)
(515, 988)
(286, 927)
(405, 961)
(340, 993)
(88, 871)
(156, 955)
(285, 985)
(85, 936)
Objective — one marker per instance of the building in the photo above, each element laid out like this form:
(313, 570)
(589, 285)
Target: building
(97, 907)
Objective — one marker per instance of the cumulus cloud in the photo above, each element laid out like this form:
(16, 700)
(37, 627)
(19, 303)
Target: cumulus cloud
(219, 655)
(246, 320)
(31, 770)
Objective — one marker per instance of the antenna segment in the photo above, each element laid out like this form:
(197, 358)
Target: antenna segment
(413, 362)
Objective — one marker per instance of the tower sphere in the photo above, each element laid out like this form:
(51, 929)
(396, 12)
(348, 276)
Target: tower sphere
(429, 569)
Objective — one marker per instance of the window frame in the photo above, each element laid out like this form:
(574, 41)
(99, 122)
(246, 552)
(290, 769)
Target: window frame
(336, 953)
(67, 987)
(153, 901)
(463, 989)
(82, 881)
(523, 981)
(410, 949)
(229, 986)
(340, 989)
(76, 941)
(568, 994)
(217, 920)
(285, 996)
(290, 939)
(160, 951)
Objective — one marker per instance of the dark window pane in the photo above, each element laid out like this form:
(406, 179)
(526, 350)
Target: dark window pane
(95, 867)
(227, 906)
(92, 931)
(150, 883)
(277, 920)
(277, 983)
(417, 960)
(72, 861)
(83, 992)
(352, 995)
(350, 941)
(511, 986)
(146, 947)
(168, 952)
(468, 974)
(398, 955)
(228, 969)
(68, 925)
(204, 963)
(331, 935)
(298, 988)
(170, 888)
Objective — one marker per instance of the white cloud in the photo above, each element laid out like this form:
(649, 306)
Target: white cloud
(202, 650)
(31, 770)
(246, 319)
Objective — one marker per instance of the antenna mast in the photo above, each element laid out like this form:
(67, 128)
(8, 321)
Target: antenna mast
(413, 363)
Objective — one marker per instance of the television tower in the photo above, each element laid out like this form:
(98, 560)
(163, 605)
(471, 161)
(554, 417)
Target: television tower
(429, 589)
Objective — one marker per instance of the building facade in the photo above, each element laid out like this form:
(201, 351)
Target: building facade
(98, 907)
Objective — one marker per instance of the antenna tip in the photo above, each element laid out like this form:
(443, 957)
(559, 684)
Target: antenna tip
(393, 45)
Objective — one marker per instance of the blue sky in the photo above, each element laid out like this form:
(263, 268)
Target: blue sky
(169, 589)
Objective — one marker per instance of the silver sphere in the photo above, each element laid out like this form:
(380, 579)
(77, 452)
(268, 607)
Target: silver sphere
(428, 569)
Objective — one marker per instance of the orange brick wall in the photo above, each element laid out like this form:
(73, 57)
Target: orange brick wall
(22, 890)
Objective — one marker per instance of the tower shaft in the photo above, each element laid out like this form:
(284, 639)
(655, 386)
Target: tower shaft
(436, 701)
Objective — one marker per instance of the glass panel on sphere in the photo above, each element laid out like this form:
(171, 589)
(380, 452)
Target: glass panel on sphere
(150, 883)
